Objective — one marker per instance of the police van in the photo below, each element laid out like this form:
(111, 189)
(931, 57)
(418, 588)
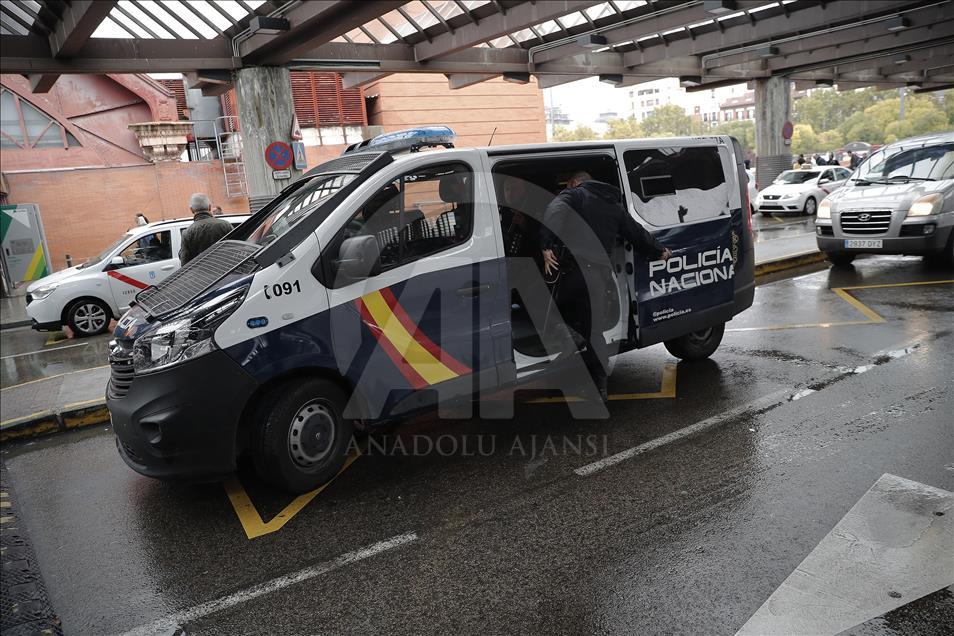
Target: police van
(379, 284)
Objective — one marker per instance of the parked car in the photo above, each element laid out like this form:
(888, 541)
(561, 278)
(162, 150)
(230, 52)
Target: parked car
(899, 201)
(86, 297)
(753, 189)
(800, 191)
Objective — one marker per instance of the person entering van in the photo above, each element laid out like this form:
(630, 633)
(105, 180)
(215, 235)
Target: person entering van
(204, 231)
(590, 216)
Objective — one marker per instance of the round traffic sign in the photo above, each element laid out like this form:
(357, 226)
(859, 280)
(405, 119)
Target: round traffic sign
(787, 130)
(278, 155)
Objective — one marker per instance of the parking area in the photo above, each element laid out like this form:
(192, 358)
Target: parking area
(683, 512)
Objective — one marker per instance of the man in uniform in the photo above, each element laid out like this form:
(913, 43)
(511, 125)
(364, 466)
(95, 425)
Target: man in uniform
(589, 216)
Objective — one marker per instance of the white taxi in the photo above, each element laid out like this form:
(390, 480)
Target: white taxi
(801, 191)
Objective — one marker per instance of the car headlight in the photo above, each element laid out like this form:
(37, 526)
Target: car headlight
(789, 195)
(43, 291)
(824, 210)
(186, 336)
(926, 205)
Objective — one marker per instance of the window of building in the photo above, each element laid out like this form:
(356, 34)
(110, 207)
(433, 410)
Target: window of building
(23, 125)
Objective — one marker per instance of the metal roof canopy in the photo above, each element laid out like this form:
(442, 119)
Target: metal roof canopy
(713, 42)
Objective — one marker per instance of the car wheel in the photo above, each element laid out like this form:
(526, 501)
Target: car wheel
(811, 206)
(302, 438)
(88, 317)
(697, 345)
(944, 258)
(840, 259)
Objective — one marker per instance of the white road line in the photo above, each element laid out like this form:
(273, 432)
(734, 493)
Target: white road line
(30, 353)
(169, 623)
(771, 399)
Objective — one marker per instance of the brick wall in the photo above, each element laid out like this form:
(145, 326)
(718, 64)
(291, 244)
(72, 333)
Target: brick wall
(405, 100)
(83, 211)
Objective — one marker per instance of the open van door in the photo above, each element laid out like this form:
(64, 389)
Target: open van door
(688, 193)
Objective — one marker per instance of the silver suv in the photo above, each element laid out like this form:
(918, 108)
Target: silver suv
(900, 200)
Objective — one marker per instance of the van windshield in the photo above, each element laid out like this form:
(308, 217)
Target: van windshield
(297, 205)
(899, 164)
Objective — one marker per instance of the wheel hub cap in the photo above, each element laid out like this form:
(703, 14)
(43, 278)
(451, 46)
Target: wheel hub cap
(90, 318)
(311, 435)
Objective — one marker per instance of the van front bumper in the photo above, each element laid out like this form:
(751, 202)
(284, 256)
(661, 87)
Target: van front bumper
(915, 244)
(181, 423)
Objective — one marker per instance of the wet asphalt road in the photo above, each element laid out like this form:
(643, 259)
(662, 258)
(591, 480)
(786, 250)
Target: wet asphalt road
(688, 537)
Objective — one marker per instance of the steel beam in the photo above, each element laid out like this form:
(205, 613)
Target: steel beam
(549, 81)
(463, 80)
(77, 24)
(42, 83)
(766, 29)
(312, 24)
(516, 18)
(353, 80)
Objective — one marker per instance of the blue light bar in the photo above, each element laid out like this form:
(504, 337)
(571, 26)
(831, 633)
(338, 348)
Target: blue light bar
(410, 140)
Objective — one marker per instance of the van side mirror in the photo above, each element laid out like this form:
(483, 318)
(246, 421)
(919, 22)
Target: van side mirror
(359, 257)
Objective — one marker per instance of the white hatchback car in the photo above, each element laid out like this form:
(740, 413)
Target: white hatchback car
(86, 297)
(801, 191)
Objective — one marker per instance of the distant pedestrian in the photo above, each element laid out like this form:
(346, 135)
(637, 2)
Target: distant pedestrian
(204, 231)
(217, 211)
(854, 160)
(801, 160)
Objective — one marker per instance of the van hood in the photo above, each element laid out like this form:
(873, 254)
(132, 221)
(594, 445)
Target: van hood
(56, 277)
(896, 196)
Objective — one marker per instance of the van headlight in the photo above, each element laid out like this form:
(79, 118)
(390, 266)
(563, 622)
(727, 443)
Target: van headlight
(824, 210)
(186, 336)
(926, 205)
(43, 291)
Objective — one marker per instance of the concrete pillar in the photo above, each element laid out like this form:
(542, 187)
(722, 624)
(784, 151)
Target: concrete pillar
(773, 100)
(265, 110)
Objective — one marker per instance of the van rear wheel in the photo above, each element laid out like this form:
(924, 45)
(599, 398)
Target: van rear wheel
(302, 438)
(697, 345)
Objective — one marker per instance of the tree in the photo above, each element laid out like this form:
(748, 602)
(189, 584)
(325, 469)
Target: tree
(580, 133)
(627, 128)
(830, 140)
(827, 108)
(804, 140)
(743, 130)
(668, 120)
(880, 121)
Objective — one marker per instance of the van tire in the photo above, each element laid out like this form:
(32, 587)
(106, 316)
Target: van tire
(308, 409)
(811, 206)
(840, 259)
(697, 345)
(88, 317)
(943, 259)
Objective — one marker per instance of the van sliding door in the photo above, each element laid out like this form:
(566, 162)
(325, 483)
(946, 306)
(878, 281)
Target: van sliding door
(686, 193)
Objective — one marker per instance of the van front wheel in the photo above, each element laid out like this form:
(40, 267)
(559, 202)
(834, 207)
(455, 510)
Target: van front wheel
(303, 438)
(697, 345)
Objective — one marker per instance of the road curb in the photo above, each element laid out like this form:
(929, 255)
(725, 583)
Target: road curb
(788, 262)
(15, 324)
(70, 417)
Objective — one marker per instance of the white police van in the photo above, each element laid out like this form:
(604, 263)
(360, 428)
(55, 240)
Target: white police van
(88, 296)
(379, 284)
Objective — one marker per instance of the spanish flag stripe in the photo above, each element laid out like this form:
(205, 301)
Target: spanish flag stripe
(427, 365)
(415, 380)
(420, 336)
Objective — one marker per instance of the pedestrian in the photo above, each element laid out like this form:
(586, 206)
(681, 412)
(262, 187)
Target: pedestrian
(217, 211)
(801, 160)
(204, 231)
(589, 209)
(854, 160)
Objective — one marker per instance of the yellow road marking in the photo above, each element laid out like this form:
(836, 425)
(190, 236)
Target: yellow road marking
(52, 340)
(423, 362)
(17, 420)
(51, 377)
(666, 390)
(97, 401)
(872, 317)
(252, 521)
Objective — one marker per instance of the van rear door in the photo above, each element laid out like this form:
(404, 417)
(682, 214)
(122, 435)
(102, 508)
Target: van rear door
(687, 193)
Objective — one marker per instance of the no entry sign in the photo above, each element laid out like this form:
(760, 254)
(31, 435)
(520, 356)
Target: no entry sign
(278, 155)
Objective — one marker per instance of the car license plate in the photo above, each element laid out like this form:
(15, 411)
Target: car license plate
(863, 244)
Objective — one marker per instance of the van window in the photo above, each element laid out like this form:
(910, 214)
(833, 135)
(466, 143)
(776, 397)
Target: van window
(148, 249)
(420, 213)
(676, 185)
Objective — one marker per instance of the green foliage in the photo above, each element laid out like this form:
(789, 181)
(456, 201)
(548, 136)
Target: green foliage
(668, 120)
(837, 117)
(743, 130)
(627, 128)
(580, 133)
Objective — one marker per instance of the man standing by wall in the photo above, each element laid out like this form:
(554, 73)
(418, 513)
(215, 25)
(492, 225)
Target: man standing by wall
(204, 231)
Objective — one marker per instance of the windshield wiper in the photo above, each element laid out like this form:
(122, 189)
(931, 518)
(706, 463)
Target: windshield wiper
(907, 178)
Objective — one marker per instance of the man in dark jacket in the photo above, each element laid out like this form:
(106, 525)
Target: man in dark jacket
(204, 231)
(587, 217)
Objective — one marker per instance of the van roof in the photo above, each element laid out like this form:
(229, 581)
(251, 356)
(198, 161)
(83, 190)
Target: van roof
(923, 140)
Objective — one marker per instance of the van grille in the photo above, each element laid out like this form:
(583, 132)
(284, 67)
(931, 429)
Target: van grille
(864, 222)
(121, 371)
(199, 275)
